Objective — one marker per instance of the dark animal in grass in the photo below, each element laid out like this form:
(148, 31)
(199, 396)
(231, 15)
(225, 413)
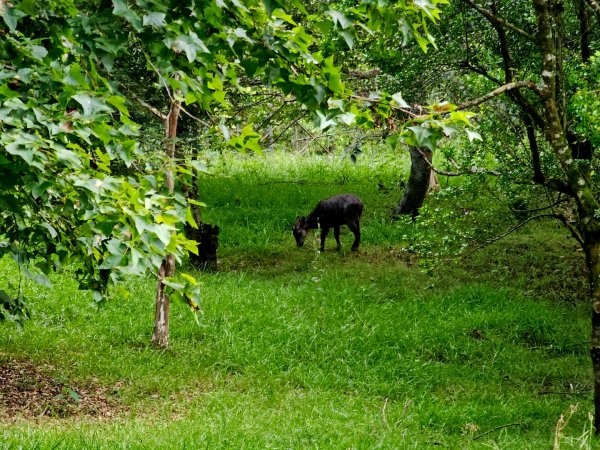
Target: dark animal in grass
(333, 212)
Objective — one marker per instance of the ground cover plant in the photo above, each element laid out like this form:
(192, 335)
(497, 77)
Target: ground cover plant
(296, 348)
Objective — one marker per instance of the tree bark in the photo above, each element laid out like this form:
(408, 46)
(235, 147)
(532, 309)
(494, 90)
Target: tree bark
(418, 182)
(592, 252)
(160, 335)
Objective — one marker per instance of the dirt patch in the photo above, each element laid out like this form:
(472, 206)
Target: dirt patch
(29, 391)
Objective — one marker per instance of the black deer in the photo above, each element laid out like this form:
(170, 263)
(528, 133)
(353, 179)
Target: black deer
(333, 212)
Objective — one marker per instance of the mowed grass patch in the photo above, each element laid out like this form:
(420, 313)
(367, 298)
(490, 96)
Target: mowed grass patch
(296, 348)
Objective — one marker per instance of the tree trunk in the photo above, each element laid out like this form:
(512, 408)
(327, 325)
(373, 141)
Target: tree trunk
(418, 182)
(160, 336)
(592, 252)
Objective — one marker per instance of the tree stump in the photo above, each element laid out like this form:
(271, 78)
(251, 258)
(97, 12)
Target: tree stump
(207, 237)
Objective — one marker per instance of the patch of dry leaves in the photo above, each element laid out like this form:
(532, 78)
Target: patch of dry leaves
(28, 391)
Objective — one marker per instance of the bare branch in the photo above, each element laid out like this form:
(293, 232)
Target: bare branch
(481, 71)
(314, 138)
(172, 97)
(499, 20)
(499, 91)
(146, 105)
(574, 232)
(511, 230)
(415, 112)
(479, 436)
(297, 119)
(364, 74)
(273, 114)
(472, 170)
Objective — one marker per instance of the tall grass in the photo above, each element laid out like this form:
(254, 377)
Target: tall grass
(297, 348)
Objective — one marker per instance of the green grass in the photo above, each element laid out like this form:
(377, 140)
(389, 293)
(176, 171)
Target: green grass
(298, 349)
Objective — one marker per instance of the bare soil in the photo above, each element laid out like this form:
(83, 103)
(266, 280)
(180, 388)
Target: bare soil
(28, 391)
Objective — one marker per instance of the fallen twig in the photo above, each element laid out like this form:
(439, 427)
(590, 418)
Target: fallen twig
(479, 436)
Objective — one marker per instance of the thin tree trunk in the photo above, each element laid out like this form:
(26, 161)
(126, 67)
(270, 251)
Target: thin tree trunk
(160, 336)
(583, 14)
(418, 182)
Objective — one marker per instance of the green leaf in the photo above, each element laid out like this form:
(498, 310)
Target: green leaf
(38, 52)
(7, 92)
(190, 44)
(324, 121)
(348, 36)
(339, 18)
(397, 98)
(189, 218)
(68, 158)
(271, 5)
(10, 15)
(24, 152)
(75, 76)
(74, 395)
(27, 6)
(280, 14)
(423, 137)
(122, 9)
(91, 105)
(154, 19)
(473, 135)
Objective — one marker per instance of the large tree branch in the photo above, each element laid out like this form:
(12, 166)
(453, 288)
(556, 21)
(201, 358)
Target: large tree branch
(507, 60)
(516, 95)
(499, 91)
(538, 175)
(494, 19)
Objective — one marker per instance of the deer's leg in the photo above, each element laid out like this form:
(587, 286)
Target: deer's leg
(324, 233)
(336, 233)
(355, 228)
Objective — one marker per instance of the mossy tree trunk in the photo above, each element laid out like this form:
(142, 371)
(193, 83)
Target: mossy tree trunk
(592, 252)
(545, 112)
(576, 182)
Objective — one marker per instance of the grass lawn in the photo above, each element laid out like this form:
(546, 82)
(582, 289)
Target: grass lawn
(300, 349)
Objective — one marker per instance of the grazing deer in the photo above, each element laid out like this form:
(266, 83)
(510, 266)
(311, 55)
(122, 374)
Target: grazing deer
(333, 212)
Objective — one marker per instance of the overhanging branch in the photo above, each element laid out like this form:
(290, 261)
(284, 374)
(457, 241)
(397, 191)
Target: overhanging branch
(499, 91)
